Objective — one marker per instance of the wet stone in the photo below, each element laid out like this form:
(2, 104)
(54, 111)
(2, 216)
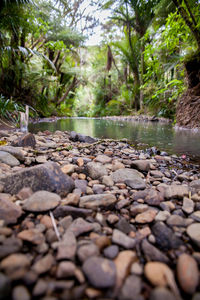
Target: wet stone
(100, 272)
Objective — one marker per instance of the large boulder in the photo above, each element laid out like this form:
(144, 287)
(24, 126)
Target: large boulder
(48, 177)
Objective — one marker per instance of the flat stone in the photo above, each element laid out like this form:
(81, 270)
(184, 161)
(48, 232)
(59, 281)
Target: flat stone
(122, 175)
(136, 184)
(187, 273)
(146, 217)
(80, 226)
(15, 261)
(26, 140)
(165, 237)
(41, 201)
(100, 272)
(67, 247)
(152, 253)
(95, 201)
(131, 288)
(122, 239)
(9, 211)
(41, 159)
(75, 212)
(188, 205)
(196, 216)
(103, 159)
(194, 233)
(96, 170)
(176, 191)
(44, 264)
(16, 152)
(47, 177)
(8, 159)
(141, 165)
(33, 236)
(176, 220)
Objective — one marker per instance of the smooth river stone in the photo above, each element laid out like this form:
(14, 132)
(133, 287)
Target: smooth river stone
(96, 170)
(9, 211)
(8, 159)
(188, 273)
(194, 233)
(122, 175)
(101, 272)
(95, 201)
(41, 201)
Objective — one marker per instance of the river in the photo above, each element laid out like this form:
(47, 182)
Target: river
(142, 134)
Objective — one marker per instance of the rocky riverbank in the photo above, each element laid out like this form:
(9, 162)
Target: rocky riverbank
(96, 219)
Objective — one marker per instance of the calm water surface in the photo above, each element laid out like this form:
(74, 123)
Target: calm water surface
(162, 136)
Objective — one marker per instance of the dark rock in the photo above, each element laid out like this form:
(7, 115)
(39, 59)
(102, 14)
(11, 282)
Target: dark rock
(9, 211)
(5, 287)
(152, 253)
(165, 238)
(100, 272)
(124, 226)
(47, 177)
(10, 245)
(66, 210)
(75, 137)
(26, 140)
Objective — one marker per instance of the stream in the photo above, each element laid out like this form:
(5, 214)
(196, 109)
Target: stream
(142, 134)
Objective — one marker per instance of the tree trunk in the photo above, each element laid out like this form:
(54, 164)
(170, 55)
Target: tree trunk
(71, 87)
(141, 75)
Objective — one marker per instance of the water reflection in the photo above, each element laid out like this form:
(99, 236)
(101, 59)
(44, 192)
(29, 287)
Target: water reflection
(163, 136)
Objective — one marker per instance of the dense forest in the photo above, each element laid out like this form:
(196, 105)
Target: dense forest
(148, 60)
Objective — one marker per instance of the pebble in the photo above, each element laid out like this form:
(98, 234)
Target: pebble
(194, 233)
(123, 225)
(187, 273)
(101, 272)
(41, 201)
